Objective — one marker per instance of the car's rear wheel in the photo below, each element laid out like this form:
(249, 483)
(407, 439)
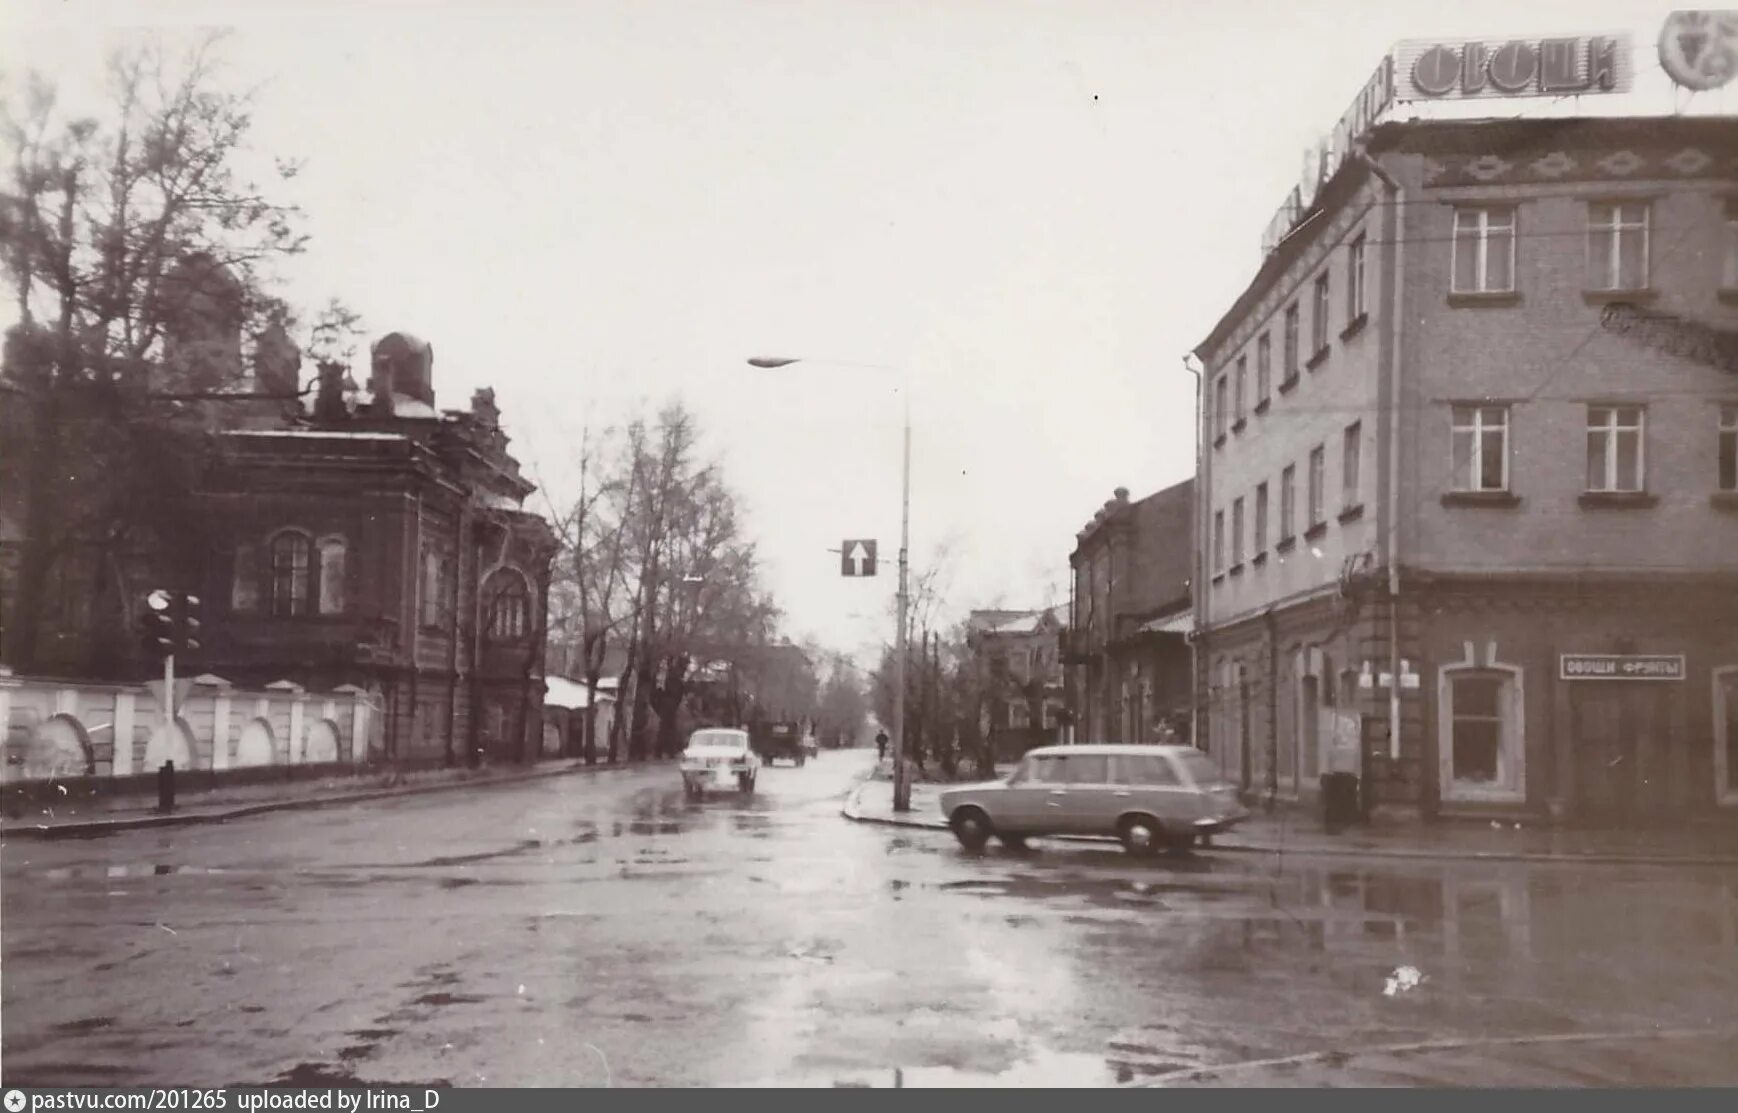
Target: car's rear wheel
(971, 827)
(1142, 835)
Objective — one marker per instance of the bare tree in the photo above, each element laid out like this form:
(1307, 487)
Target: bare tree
(133, 242)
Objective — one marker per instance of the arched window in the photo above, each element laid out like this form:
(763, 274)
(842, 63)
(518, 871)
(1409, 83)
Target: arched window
(332, 575)
(509, 608)
(292, 574)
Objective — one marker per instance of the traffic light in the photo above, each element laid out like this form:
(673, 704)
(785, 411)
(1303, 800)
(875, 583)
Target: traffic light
(169, 623)
(157, 623)
(187, 623)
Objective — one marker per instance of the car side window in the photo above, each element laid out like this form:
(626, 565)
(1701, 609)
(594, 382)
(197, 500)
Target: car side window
(1087, 769)
(1049, 770)
(1145, 769)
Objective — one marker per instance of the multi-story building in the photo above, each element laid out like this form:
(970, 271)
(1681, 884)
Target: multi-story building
(1128, 654)
(1469, 481)
(1017, 654)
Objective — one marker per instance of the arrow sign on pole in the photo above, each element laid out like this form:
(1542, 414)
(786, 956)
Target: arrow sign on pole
(857, 558)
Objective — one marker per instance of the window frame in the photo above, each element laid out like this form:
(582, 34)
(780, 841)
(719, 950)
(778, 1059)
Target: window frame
(1610, 269)
(1287, 503)
(1355, 292)
(1318, 481)
(1240, 392)
(1263, 368)
(1259, 538)
(292, 607)
(1480, 240)
(1476, 431)
(1221, 407)
(1292, 343)
(1237, 533)
(1351, 466)
(1510, 783)
(1610, 431)
(1321, 314)
(1219, 542)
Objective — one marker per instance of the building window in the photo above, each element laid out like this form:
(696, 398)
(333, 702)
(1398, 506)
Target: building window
(435, 568)
(1350, 451)
(292, 574)
(509, 608)
(1221, 407)
(1617, 247)
(1241, 390)
(1291, 342)
(244, 589)
(1484, 251)
(1018, 717)
(1615, 448)
(1481, 448)
(1729, 447)
(1318, 479)
(1726, 734)
(1355, 281)
(1218, 541)
(1263, 368)
(1261, 518)
(1236, 532)
(1480, 725)
(332, 560)
(1729, 270)
(1288, 502)
(1319, 315)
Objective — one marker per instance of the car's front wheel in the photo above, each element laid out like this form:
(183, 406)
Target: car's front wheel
(1142, 835)
(971, 827)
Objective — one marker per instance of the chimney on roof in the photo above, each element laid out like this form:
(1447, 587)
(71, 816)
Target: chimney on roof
(403, 366)
(1122, 494)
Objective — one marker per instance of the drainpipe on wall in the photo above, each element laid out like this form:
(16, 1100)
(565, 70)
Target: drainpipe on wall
(1395, 233)
(1272, 623)
(1197, 594)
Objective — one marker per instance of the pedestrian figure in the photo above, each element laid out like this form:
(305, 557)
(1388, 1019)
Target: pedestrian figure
(881, 744)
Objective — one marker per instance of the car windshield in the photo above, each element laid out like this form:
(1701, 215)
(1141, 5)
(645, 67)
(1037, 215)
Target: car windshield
(1200, 768)
(716, 739)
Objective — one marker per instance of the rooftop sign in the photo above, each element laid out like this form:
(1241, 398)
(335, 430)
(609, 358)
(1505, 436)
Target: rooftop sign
(1322, 160)
(1565, 66)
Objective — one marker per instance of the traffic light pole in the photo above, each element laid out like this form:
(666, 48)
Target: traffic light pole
(169, 695)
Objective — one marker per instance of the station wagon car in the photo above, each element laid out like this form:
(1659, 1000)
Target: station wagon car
(1149, 797)
(715, 757)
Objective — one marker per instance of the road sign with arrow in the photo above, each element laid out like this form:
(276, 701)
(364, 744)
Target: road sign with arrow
(857, 558)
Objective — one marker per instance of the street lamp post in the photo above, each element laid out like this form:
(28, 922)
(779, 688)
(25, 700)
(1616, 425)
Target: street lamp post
(901, 774)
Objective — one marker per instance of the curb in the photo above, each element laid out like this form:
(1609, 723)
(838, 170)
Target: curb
(98, 827)
(853, 812)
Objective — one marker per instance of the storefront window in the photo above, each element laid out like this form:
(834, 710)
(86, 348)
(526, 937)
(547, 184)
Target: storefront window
(1479, 733)
(1478, 728)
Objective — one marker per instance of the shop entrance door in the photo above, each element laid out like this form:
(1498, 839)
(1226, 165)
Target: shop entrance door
(1622, 744)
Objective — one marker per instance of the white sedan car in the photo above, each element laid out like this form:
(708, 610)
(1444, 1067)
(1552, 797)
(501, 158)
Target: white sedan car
(716, 756)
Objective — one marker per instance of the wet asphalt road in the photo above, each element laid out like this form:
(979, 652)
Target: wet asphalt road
(593, 930)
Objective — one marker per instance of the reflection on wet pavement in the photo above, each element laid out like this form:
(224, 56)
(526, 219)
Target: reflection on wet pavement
(613, 931)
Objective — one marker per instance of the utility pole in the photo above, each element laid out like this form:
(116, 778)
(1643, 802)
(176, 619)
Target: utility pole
(901, 776)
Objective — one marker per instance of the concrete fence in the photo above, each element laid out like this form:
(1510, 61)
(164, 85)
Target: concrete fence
(58, 730)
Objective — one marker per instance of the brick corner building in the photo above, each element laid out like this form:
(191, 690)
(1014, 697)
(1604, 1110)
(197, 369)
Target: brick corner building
(1469, 483)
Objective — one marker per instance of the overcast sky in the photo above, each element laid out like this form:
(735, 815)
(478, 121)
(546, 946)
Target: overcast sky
(1031, 209)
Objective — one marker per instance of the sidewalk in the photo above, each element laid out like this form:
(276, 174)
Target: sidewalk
(1299, 832)
(108, 815)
